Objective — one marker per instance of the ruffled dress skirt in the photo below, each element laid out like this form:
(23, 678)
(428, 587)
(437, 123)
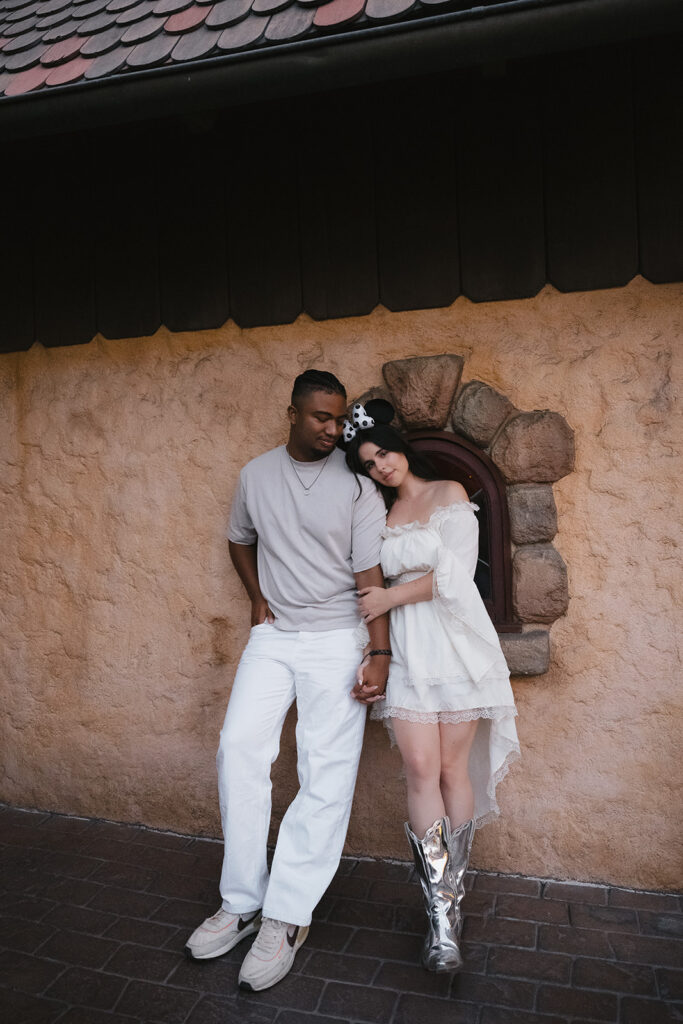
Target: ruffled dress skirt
(447, 664)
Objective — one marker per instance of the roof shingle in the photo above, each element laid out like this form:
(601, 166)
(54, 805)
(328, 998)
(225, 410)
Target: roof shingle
(37, 34)
(59, 52)
(21, 41)
(26, 81)
(196, 44)
(100, 21)
(152, 51)
(69, 72)
(291, 23)
(97, 38)
(242, 35)
(61, 31)
(108, 63)
(142, 30)
(22, 59)
(102, 42)
(227, 12)
(182, 21)
(338, 12)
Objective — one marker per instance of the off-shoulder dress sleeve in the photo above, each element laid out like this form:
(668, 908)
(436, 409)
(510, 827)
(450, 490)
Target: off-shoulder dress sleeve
(457, 600)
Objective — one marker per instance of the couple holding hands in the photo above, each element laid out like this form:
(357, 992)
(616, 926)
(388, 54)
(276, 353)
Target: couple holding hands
(314, 533)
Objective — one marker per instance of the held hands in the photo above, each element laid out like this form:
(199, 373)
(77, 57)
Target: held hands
(371, 679)
(373, 602)
(260, 612)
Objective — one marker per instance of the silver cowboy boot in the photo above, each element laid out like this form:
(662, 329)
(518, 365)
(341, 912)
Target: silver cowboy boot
(443, 890)
(459, 846)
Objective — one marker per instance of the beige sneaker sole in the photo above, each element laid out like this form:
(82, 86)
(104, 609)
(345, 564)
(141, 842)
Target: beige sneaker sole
(219, 946)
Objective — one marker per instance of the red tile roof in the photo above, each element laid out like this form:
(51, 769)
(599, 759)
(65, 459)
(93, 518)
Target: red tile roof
(45, 43)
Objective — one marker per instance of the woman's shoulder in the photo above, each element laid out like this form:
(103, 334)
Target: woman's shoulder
(445, 498)
(448, 492)
(451, 502)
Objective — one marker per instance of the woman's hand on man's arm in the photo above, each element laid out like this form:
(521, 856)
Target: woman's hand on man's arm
(374, 601)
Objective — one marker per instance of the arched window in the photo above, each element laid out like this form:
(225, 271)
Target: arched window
(455, 458)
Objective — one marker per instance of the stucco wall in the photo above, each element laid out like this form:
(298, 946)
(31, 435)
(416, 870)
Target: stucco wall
(122, 620)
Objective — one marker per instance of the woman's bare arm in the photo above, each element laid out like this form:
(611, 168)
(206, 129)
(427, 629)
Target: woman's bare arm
(375, 601)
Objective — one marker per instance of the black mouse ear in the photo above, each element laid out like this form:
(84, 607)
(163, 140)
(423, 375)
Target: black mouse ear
(380, 410)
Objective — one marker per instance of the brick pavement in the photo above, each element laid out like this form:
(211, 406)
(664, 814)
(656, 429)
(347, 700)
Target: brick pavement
(94, 917)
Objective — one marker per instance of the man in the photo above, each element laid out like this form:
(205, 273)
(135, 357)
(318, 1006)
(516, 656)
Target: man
(304, 536)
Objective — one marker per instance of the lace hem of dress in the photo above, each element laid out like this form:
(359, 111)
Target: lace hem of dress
(384, 711)
(394, 531)
(512, 755)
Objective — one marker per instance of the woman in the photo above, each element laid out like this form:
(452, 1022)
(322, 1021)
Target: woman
(448, 701)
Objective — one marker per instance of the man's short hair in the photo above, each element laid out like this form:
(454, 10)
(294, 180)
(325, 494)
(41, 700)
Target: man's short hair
(316, 380)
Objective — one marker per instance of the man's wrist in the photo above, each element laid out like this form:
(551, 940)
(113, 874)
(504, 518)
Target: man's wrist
(379, 652)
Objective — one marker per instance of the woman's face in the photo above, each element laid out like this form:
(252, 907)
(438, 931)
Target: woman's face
(385, 467)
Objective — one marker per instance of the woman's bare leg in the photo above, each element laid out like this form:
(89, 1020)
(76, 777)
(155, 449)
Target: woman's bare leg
(455, 785)
(421, 752)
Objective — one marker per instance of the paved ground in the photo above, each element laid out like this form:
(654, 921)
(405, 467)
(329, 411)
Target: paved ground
(95, 916)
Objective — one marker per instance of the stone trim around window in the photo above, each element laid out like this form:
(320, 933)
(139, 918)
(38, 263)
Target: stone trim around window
(531, 450)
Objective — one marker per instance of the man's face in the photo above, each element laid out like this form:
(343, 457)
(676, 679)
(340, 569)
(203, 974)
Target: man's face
(316, 423)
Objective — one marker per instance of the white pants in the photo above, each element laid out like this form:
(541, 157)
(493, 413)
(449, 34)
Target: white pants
(277, 667)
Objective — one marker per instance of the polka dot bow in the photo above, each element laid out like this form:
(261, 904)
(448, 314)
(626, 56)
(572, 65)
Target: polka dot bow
(359, 421)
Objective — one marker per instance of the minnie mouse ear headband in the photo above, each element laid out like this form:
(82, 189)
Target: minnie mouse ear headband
(376, 411)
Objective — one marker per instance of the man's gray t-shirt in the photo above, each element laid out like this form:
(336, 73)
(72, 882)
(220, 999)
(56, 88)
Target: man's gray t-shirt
(309, 544)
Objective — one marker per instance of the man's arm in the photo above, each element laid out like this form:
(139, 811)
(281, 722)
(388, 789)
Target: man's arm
(243, 557)
(376, 671)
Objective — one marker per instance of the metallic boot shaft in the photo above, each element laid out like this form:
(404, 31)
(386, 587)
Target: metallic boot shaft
(459, 847)
(441, 859)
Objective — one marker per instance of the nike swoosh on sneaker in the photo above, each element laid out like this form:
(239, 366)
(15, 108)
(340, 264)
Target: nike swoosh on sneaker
(243, 922)
(291, 939)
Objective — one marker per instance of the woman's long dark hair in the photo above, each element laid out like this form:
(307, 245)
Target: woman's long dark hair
(390, 440)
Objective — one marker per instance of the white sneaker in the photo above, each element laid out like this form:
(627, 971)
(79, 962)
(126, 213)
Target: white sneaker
(272, 954)
(220, 933)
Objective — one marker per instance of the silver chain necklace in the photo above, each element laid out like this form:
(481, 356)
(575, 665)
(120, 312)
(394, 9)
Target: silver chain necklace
(307, 490)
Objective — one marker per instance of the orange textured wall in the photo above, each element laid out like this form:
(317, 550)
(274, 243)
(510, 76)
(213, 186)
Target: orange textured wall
(122, 620)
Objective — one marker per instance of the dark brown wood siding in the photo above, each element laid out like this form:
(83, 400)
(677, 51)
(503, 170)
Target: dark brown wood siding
(485, 183)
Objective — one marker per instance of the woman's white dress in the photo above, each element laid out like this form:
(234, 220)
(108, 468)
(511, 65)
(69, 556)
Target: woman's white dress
(447, 664)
